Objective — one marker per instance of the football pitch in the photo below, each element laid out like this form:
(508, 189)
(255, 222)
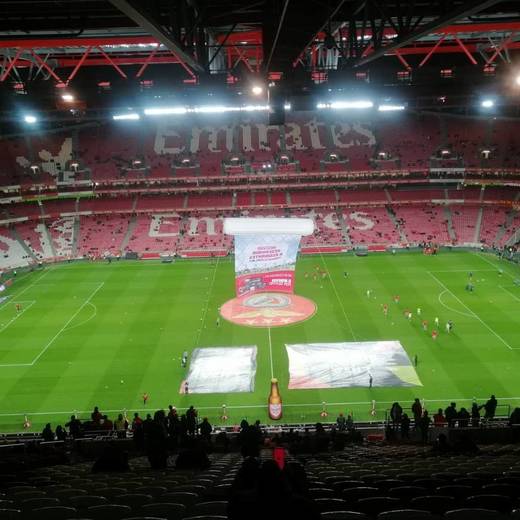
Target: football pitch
(102, 334)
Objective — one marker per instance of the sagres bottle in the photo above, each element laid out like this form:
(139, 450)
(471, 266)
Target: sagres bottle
(275, 401)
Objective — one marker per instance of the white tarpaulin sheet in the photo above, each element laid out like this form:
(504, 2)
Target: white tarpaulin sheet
(338, 365)
(222, 370)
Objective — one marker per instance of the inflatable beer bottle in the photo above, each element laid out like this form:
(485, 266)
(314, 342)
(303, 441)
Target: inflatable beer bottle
(275, 401)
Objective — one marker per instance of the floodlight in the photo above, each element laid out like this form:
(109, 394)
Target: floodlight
(30, 119)
(488, 103)
(340, 105)
(257, 90)
(390, 108)
(67, 97)
(517, 80)
(132, 116)
(164, 111)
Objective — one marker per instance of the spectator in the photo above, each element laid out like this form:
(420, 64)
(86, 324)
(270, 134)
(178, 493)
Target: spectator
(350, 423)
(191, 420)
(439, 421)
(514, 419)
(96, 416)
(47, 433)
(205, 430)
(490, 407)
(451, 414)
(424, 425)
(156, 440)
(61, 433)
(107, 424)
(417, 412)
(396, 413)
(121, 425)
(475, 415)
(341, 422)
(463, 418)
(405, 426)
(74, 426)
(138, 431)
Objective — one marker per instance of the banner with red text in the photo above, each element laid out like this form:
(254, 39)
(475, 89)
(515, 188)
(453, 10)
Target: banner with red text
(265, 263)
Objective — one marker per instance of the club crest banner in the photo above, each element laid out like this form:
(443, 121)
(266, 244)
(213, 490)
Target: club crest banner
(265, 263)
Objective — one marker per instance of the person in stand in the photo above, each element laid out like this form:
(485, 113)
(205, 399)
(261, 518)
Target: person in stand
(61, 433)
(417, 411)
(120, 426)
(74, 426)
(475, 415)
(47, 433)
(396, 413)
(451, 414)
(424, 425)
(205, 429)
(490, 407)
(463, 418)
(191, 419)
(439, 421)
(341, 423)
(405, 427)
(96, 416)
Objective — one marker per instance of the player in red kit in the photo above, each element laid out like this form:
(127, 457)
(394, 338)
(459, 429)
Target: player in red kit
(18, 307)
(385, 309)
(434, 335)
(145, 398)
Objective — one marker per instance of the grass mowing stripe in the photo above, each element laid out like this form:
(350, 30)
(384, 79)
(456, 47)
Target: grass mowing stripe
(207, 303)
(509, 292)
(337, 296)
(55, 337)
(18, 314)
(473, 313)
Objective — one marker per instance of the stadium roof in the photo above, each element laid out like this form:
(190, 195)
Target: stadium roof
(295, 43)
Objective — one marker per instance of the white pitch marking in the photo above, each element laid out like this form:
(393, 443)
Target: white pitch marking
(450, 309)
(18, 314)
(473, 313)
(203, 319)
(337, 296)
(509, 292)
(18, 294)
(85, 321)
(55, 337)
(270, 351)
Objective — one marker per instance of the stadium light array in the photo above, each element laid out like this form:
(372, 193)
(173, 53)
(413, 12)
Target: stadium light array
(132, 116)
(67, 97)
(341, 105)
(30, 119)
(487, 103)
(207, 109)
(257, 90)
(517, 80)
(390, 108)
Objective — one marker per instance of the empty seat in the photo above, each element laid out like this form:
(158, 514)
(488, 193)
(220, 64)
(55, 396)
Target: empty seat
(343, 515)
(321, 493)
(435, 504)
(406, 493)
(492, 502)
(133, 499)
(374, 505)
(405, 514)
(331, 504)
(153, 491)
(178, 498)
(473, 514)
(108, 512)
(209, 508)
(35, 503)
(164, 510)
(455, 491)
(10, 514)
(353, 494)
(54, 513)
(85, 501)
(504, 489)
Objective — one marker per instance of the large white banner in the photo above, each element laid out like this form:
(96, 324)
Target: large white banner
(265, 262)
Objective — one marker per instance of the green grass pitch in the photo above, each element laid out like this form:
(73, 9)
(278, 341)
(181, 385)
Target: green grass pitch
(85, 327)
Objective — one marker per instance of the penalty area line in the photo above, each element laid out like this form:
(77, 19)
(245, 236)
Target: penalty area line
(18, 314)
(474, 315)
(510, 293)
(55, 337)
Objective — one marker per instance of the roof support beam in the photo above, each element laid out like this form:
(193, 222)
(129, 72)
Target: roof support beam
(469, 8)
(141, 19)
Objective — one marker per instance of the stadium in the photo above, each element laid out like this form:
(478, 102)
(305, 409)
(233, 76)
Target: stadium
(233, 233)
